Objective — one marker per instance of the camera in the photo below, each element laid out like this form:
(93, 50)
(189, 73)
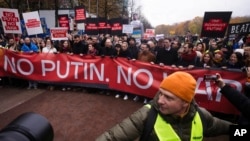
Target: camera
(210, 77)
(28, 127)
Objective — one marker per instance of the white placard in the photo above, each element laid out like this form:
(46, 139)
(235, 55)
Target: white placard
(32, 23)
(59, 33)
(80, 26)
(127, 28)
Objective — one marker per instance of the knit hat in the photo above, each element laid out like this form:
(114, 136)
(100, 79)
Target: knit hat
(219, 52)
(181, 84)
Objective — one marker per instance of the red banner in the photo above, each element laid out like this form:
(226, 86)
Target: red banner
(114, 73)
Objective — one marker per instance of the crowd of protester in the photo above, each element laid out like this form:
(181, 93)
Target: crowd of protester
(207, 53)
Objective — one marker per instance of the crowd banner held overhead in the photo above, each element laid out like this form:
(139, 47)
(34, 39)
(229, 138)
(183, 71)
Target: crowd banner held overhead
(150, 33)
(127, 28)
(80, 14)
(32, 23)
(119, 74)
(103, 26)
(63, 21)
(238, 29)
(10, 20)
(116, 26)
(91, 27)
(215, 24)
(59, 33)
(80, 26)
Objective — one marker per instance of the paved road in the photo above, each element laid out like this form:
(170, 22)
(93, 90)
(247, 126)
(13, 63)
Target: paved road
(75, 116)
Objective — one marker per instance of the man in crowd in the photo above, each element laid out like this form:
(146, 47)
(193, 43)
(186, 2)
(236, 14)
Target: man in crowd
(188, 58)
(145, 55)
(166, 55)
(29, 46)
(108, 49)
(78, 46)
(133, 48)
(172, 115)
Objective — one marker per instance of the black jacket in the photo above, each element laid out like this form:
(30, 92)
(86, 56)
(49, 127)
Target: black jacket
(166, 57)
(79, 48)
(239, 100)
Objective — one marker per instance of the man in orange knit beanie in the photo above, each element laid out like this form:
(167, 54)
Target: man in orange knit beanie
(185, 82)
(171, 115)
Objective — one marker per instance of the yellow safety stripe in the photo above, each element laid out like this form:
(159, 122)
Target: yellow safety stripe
(165, 132)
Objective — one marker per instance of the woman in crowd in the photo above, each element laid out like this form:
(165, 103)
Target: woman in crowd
(20, 44)
(49, 48)
(207, 60)
(235, 61)
(41, 45)
(200, 49)
(219, 60)
(65, 47)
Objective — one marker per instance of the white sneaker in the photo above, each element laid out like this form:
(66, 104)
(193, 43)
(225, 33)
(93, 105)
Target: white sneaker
(125, 97)
(145, 101)
(63, 89)
(117, 95)
(136, 98)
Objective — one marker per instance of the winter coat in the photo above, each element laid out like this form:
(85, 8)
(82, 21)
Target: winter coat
(132, 127)
(167, 57)
(239, 100)
(29, 48)
(146, 56)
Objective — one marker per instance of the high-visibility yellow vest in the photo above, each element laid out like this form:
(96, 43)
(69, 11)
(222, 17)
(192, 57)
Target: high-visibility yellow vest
(165, 132)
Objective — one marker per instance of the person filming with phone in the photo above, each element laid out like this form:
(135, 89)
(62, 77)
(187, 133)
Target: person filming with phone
(238, 99)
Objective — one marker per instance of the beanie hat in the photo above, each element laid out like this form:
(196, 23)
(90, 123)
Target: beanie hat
(181, 84)
(219, 52)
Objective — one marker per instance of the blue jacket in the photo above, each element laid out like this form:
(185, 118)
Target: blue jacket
(32, 47)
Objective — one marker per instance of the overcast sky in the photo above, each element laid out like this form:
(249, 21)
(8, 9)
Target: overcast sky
(174, 11)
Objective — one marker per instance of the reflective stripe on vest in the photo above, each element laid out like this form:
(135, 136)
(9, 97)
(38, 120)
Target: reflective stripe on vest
(165, 132)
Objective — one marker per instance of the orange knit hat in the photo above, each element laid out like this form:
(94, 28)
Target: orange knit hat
(181, 84)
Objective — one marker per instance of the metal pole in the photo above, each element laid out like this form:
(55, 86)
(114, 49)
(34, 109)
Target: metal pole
(56, 12)
(89, 6)
(11, 4)
(39, 4)
(97, 5)
(27, 1)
